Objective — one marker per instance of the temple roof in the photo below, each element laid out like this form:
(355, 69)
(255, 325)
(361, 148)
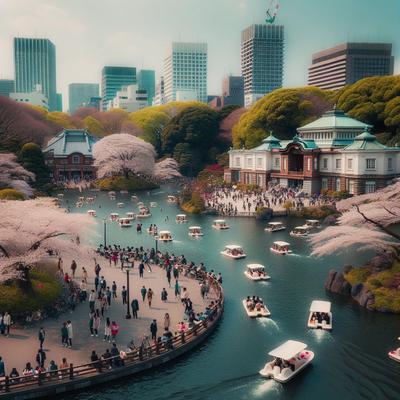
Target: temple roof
(269, 143)
(71, 141)
(365, 141)
(334, 119)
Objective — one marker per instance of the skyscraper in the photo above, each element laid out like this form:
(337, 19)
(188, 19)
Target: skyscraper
(233, 91)
(79, 94)
(185, 69)
(35, 64)
(262, 60)
(112, 80)
(6, 87)
(349, 62)
(147, 81)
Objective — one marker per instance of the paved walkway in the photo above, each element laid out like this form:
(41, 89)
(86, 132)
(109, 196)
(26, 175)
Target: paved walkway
(22, 344)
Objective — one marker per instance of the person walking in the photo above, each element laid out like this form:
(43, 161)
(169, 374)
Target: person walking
(114, 290)
(41, 336)
(150, 296)
(84, 274)
(96, 323)
(92, 300)
(177, 289)
(64, 335)
(153, 330)
(108, 296)
(7, 323)
(164, 295)
(70, 333)
(107, 331)
(91, 324)
(123, 295)
(143, 292)
(167, 321)
(114, 330)
(96, 283)
(40, 358)
(141, 269)
(135, 308)
(169, 275)
(73, 268)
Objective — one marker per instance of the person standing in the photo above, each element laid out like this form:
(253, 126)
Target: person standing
(96, 283)
(123, 294)
(96, 323)
(169, 275)
(135, 308)
(91, 324)
(167, 321)
(107, 331)
(73, 268)
(153, 330)
(143, 292)
(108, 296)
(83, 294)
(177, 289)
(84, 274)
(70, 333)
(41, 336)
(92, 300)
(150, 296)
(114, 330)
(41, 358)
(141, 269)
(7, 323)
(164, 295)
(64, 335)
(114, 290)
(2, 368)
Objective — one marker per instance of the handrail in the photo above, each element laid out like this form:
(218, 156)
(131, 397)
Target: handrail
(102, 366)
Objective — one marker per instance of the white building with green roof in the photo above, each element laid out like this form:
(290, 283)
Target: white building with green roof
(335, 152)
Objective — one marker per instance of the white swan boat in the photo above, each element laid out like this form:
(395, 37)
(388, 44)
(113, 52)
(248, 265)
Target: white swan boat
(280, 247)
(195, 231)
(181, 219)
(275, 227)
(171, 199)
(258, 311)
(92, 213)
(320, 315)
(164, 236)
(220, 224)
(299, 231)
(125, 222)
(233, 251)
(288, 360)
(256, 272)
(114, 217)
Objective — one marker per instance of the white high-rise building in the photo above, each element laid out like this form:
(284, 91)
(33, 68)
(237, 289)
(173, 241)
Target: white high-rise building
(129, 98)
(34, 98)
(159, 97)
(185, 69)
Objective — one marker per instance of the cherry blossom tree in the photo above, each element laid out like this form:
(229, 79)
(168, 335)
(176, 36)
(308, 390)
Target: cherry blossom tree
(167, 169)
(31, 229)
(366, 223)
(123, 154)
(13, 175)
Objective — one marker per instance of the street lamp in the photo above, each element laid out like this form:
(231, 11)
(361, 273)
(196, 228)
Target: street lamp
(156, 239)
(127, 265)
(105, 231)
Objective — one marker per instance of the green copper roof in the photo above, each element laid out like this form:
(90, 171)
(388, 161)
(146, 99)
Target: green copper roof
(308, 144)
(365, 141)
(269, 143)
(334, 119)
(71, 141)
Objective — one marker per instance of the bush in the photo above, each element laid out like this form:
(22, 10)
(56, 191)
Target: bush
(264, 214)
(314, 212)
(11, 194)
(358, 275)
(123, 183)
(195, 205)
(387, 300)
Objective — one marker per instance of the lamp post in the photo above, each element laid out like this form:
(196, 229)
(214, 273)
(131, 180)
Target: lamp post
(105, 232)
(128, 265)
(156, 239)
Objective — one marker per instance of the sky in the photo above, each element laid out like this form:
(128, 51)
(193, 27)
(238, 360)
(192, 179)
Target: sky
(89, 34)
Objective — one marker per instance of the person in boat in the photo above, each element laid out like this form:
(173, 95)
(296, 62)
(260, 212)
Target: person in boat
(327, 319)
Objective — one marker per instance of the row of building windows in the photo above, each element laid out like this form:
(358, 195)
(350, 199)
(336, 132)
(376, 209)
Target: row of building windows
(370, 186)
(370, 163)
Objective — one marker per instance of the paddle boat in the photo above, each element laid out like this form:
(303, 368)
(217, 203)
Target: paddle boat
(275, 227)
(130, 215)
(60, 196)
(256, 272)
(289, 359)
(299, 231)
(120, 205)
(164, 236)
(220, 224)
(181, 218)
(153, 204)
(89, 200)
(125, 222)
(233, 251)
(195, 231)
(255, 307)
(281, 247)
(395, 354)
(112, 195)
(81, 199)
(313, 223)
(320, 315)
(79, 204)
(171, 199)
(123, 191)
(92, 213)
(140, 204)
(143, 212)
(114, 217)
(134, 198)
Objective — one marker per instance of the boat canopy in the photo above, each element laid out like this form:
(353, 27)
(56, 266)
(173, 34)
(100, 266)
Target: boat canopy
(281, 244)
(219, 221)
(255, 267)
(320, 306)
(91, 211)
(275, 223)
(312, 221)
(180, 215)
(288, 350)
(161, 233)
(233, 247)
(114, 214)
(192, 228)
(301, 228)
(124, 220)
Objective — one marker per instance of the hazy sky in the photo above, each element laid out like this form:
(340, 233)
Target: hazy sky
(89, 34)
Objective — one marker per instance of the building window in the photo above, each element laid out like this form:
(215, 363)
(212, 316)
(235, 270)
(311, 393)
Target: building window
(351, 187)
(350, 163)
(315, 163)
(337, 185)
(277, 163)
(370, 186)
(324, 183)
(390, 164)
(308, 164)
(237, 161)
(325, 163)
(259, 162)
(338, 163)
(370, 164)
(76, 159)
(249, 162)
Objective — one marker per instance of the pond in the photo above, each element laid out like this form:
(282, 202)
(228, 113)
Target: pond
(350, 362)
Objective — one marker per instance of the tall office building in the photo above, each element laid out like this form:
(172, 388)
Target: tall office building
(262, 60)
(159, 97)
(7, 86)
(59, 102)
(79, 94)
(35, 64)
(233, 91)
(349, 62)
(146, 80)
(185, 69)
(112, 80)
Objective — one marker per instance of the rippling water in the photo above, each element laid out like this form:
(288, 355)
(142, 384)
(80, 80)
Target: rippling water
(350, 363)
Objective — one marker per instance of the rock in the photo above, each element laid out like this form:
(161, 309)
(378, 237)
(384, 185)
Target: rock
(329, 220)
(337, 283)
(329, 280)
(363, 296)
(356, 289)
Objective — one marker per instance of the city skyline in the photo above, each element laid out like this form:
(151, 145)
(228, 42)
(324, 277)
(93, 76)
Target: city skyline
(126, 44)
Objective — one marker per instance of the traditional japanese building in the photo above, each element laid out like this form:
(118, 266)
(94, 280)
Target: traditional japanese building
(335, 152)
(69, 155)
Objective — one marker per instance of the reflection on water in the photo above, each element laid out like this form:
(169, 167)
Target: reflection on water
(350, 362)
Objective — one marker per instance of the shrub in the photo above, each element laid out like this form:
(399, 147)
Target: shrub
(123, 183)
(358, 275)
(11, 194)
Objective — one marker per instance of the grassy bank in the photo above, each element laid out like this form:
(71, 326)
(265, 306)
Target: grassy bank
(122, 183)
(314, 212)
